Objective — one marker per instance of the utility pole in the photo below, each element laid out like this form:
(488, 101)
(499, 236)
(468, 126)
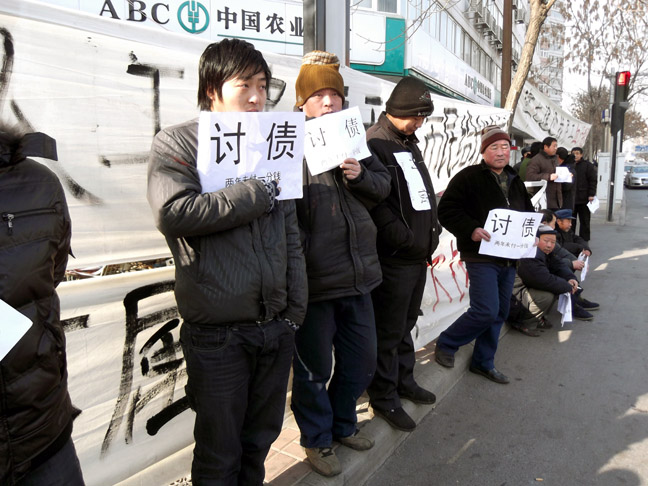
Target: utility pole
(507, 49)
(314, 25)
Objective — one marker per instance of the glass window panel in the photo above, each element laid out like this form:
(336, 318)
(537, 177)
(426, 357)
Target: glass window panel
(388, 6)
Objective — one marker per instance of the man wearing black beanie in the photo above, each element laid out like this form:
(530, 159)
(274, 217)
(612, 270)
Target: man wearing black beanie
(408, 234)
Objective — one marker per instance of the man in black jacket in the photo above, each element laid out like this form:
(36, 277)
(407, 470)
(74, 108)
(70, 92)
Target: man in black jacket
(542, 279)
(463, 210)
(567, 238)
(408, 234)
(240, 279)
(586, 175)
(35, 409)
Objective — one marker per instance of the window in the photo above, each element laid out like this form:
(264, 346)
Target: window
(467, 47)
(390, 6)
(443, 27)
(363, 3)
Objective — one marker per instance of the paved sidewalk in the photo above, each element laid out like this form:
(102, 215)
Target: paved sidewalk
(286, 464)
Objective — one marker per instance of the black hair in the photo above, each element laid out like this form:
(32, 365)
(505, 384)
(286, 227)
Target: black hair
(535, 149)
(577, 148)
(224, 60)
(562, 153)
(547, 215)
(548, 141)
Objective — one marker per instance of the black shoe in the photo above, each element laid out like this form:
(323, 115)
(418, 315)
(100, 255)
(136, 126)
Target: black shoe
(525, 330)
(491, 374)
(397, 418)
(587, 305)
(544, 323)
(418, 395)
(443, 358)
(581, 314)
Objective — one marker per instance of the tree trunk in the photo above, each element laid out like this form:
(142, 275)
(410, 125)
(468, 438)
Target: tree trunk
(538, 15)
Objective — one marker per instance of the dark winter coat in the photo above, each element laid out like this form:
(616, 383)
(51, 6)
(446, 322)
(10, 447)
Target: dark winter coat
(235, 262)
(338, 234)
(545, 272)
(569, 188)
(470, 195)
(571, 242)
(404, 235)
(35, 409)
(586, 181)
(540, 169)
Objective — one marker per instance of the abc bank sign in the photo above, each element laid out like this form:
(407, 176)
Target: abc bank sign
(273, 26)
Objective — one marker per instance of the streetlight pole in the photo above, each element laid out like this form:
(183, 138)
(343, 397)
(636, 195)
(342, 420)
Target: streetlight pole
(507, 49)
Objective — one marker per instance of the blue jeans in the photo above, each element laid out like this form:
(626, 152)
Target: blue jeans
(490, 291)
(343, 326)
(237, 380)
(62, 469)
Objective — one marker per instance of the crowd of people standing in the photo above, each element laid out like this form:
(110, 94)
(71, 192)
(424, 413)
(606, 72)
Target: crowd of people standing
(328, 286)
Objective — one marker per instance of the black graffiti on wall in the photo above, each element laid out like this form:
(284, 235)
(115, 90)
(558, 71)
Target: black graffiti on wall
(23, 122)
(161, 366)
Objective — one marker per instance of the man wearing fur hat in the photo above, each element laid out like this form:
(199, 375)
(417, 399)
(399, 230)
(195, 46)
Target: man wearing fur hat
(463, 210)
(408, 234)
(339, 241)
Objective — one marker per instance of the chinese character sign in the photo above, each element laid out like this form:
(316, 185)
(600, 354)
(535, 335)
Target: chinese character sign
(512, 234)
(332, 138)
(418, 193)
(235, 147)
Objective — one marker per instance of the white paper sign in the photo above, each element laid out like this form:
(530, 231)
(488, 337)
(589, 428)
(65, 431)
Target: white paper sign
(585, 259)
(13, 328)
(415, 185)
(594, 204)
(565, 307)
(235, 147)
(512, 234)
(332, 138)
(563, 175)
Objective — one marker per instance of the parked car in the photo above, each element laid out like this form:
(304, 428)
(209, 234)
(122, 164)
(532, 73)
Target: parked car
(637, 176)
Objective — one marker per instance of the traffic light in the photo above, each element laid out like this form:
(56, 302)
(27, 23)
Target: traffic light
(620, 105)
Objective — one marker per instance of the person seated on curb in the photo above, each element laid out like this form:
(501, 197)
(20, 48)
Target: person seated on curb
(568, 239)
(539, 282)
(574, 264)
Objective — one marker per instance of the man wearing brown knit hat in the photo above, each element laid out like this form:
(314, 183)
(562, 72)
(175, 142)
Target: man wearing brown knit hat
(463, 210)
(339, 241)
(408, 234)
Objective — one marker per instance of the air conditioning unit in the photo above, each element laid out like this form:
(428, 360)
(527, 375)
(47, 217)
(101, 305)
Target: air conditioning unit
(520, 16)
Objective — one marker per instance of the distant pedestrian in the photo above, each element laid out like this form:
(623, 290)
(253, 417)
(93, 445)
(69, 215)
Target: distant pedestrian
(586, 182)
(565, 159)
(463, 210)
(542, 167)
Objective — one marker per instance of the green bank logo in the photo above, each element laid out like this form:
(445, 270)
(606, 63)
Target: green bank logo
(193, 17)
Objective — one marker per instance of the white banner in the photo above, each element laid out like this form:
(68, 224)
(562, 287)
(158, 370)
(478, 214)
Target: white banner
(512, 234)
(332, 138)
(235, 147)
(540, 117)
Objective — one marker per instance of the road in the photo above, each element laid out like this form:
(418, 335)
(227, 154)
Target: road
(576, 411)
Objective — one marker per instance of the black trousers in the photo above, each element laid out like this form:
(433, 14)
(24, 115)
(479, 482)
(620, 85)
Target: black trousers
(583, 215)
(396, 303)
